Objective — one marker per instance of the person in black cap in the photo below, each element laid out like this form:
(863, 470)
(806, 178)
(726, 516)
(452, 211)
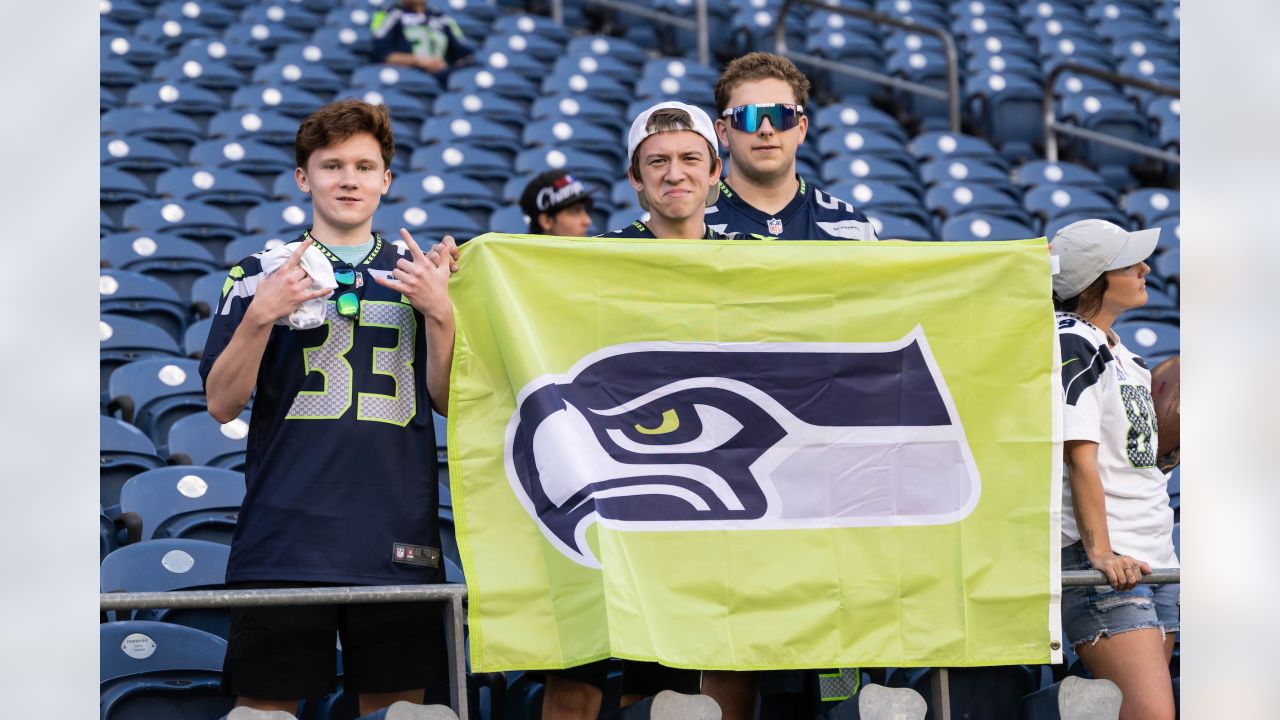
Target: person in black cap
(556, 204)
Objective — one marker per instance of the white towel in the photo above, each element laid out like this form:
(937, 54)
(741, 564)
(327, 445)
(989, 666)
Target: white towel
(310, 313)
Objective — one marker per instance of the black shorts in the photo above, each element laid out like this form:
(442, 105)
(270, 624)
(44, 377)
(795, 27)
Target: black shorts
(289, 652)
(640, 678)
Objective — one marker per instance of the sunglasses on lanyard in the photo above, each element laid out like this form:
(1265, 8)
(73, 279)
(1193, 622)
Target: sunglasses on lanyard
(747, 118)
(348, 299)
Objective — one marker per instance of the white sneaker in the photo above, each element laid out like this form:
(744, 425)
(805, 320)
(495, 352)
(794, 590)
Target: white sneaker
(671, 705)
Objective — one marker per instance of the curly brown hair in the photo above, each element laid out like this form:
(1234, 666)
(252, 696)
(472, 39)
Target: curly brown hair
(758, 66)
(338, 121)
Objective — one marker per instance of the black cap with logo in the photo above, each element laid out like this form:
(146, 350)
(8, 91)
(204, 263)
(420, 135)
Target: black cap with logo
(551, 192)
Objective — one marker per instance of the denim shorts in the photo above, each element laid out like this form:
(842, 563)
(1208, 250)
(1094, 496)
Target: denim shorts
(1096, 611)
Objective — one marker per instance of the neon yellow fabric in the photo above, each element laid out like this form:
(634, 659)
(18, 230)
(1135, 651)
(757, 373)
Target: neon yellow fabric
(966, 593)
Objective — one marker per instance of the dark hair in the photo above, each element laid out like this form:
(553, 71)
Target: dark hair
(668, 120)
(760, 66)
(338, 121)
(535, 227)
(1088, 302)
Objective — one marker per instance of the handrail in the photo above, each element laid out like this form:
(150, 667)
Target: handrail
(452, 594)
(698, 25)
(951, 94)
(1052, 127)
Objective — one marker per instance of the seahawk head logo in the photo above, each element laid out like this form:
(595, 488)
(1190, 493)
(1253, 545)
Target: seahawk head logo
(688, 436)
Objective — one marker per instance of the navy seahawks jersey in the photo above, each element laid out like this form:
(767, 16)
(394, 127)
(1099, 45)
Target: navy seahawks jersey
(341, 478)
(638, 229)
(813, 214)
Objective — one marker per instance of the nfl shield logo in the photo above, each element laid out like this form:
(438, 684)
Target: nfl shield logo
(775, 226)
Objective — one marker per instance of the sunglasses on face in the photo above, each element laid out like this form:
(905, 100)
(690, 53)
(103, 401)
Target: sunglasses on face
(748, 118)
(348, 300)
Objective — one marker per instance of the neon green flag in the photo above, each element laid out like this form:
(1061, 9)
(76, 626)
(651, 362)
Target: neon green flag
(756, 455)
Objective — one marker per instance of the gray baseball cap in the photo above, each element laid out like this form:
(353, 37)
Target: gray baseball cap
(1088, 248)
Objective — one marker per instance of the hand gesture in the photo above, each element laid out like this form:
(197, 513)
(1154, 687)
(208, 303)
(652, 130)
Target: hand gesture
(284, 289)
(1122, 571)
(424, 278)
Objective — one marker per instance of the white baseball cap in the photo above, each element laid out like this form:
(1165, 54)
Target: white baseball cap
(701, 124)
(1088, 248)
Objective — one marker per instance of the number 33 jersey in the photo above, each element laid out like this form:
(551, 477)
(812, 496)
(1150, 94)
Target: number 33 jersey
(340, 474)
(1107, 400)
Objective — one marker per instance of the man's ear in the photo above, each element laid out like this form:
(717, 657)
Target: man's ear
(300, 177)
(635, 183)
(545, 222)
(386, 181)
(722, 131)
(803, 128)
(717, 165)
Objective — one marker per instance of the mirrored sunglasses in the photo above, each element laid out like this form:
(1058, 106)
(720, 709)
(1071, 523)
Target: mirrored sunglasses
(348, 299)
(747, 118)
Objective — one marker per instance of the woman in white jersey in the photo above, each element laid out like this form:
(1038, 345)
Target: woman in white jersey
(1115, 510)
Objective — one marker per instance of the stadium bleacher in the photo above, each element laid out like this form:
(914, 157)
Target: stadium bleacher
(200, 102)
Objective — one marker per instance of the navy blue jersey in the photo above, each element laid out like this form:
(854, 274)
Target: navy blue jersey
(812, 214)
(341, 468)
(430, 34)
(638, 229)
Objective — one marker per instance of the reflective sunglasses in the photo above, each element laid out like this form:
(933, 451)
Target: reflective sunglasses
(348, 299)
(747, 118)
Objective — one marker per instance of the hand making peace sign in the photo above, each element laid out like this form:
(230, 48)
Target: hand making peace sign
(423, 278)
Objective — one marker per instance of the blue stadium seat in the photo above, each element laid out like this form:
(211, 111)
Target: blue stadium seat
(194, 339)
(334, 56)
(882, 197)
(264, 126)
(449, 188)
(1153, 341)
(473, 161)
(860, 115)
(263, 36)
(506, 83)
(426, 222)
(171, 259)
(1148, 206)
(618, 48)
(985, 226)
(247, 156)
(589, 64)
(539, 47)
(195, 220)
(124, 451)
(1168, 266)
(106, 224)
(1041, 172)
(478, 130)
(1108, 114)
(486, 104)
(963, 170)
(211, 14)
(285, 186)
(154, 393)
(847, 47)
(692, 91)
(412, 81)
(402, 105)
(586, 166)
(287, 100)
(185, 501)
(242, 57)
(139, 52)
(897, 227)
(136, 155)
(851, 142)
(308, 76)
(155, 124)
(1161, 307)
(1166, 112)
(165, 565)
(576, 84)
(200, 440)
(132, 294)
(246, 245)
(278, 218)
(107, 100)
(208, 74)
(184, 97)
(950, 199)
(532, 25)
(169, 34)
(1170, 234)
(1053, 202)
(869, 167)
(221, 186)
(106, 534)
(939, 145)
(509, 219)
(577, 133)
(524, 64)
(116, 186)
(150, 671)
(126, 12)
(125, 339)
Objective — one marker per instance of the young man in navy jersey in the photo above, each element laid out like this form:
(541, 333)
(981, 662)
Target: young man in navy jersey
(674, 166)
(760, 100)
(341, 483)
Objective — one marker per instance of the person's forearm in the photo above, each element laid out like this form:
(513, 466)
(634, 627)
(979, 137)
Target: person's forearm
(233, 375)
(439, 362)
(401, 58)
(1090, 504)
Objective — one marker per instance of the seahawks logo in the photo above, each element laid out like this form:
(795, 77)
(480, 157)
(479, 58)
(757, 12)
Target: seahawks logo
(666, 436)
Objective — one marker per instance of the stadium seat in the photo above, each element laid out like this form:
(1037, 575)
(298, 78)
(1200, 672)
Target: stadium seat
(185, 501)
(540, 48)
(575, 132)
(184, 97)
(426, 222)
(524, 64)
(448, 188)
(478, 130)
(591, 64)
(126, 12)
(125, 339)
(984, 226)
(532, 25)
(121, 292)
(599, 87)
(1008, 109)
(124, 451)
(265, 36)
(151, 670)
(194, 339)
(586, 166)
(198, 221)
(850, 142)
(210, 74)
(506, 83)
(963, 170)
(860, 168)
(948, 199)
(169, 34)
(171, 259)
(136, 155)
(486, 104)
(288, 100)
(470, 160)
(412, 81)
(139, 52)
(1053, 202)
(1148, 206)
(285, 186)
(896, 227)
(284, 219)
(155, 124)
(214, 185)
(938, 145)
(264, 126)
(209, 14)
(1040, 172)
(882, 197)
(1168, 266)
(1073, 697)
(117, 187)
(860, 115)
(166, 565)
(200, 440)
(334, 56)
(106, 534)
(106, 224)
(311, 77)
(244, 246)
(509, 219)
(247, 156)
(1153, 341)
(153, 393)
(589, 109)
(240, 55)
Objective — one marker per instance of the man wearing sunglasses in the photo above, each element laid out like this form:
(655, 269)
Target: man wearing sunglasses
(340, 469)
(760, 100)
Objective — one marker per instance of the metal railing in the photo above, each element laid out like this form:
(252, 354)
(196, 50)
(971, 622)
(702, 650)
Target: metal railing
(451, 594)
(1052, 127)
(951, 94)
(698, 25)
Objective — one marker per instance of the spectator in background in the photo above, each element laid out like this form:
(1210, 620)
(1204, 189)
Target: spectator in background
(760, 98)
(557, 204)
(1115, 504)
(418, 36)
